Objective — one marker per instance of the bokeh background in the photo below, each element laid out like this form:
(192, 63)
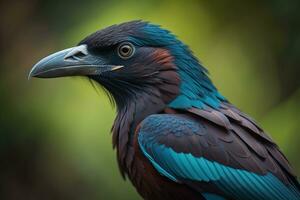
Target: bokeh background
(55, 140)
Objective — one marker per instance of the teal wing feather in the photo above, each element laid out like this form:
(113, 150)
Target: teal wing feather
(178, 148)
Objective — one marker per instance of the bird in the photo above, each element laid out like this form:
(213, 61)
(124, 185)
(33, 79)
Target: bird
(176, 136)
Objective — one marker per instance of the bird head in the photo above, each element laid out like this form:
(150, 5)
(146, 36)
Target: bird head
(136, 60)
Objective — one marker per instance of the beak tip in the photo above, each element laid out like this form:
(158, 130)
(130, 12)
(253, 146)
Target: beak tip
(32, 73)
(29, 76)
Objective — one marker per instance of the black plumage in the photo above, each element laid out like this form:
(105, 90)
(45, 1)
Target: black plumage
(175, 135)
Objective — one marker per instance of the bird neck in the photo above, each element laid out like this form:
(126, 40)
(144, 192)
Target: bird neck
(128, 118)
(196, 88)
(136, 102)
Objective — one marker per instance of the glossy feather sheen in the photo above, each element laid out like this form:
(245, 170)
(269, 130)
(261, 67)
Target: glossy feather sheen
(179, 166)
(209, 196)
(196, 89)
(176, 136)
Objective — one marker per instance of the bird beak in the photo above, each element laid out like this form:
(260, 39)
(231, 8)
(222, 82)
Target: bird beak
(76, 61)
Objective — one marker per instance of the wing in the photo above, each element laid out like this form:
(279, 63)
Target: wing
(194, 150)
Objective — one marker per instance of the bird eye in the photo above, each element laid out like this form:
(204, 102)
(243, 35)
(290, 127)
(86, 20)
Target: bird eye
(126, 50)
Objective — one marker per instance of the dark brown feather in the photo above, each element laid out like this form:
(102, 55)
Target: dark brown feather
(251, 148)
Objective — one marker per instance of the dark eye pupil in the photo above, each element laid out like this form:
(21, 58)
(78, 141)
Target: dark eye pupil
(125, 49)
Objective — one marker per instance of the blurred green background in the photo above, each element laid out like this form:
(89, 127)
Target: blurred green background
(54, 134)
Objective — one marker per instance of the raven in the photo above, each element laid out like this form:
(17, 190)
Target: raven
(175, 135)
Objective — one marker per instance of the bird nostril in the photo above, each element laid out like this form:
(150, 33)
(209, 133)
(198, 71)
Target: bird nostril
(77, 56)
(76, 53)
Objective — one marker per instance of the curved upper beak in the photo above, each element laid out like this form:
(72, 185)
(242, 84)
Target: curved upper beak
(76, 61)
